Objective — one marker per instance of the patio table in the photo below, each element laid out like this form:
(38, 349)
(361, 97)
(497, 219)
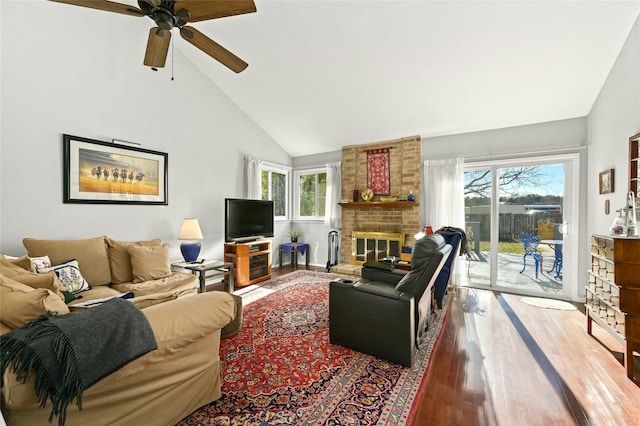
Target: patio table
(556, 245)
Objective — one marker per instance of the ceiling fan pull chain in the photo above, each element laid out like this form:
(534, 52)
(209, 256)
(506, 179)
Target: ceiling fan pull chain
(169, 14)
(172, 42)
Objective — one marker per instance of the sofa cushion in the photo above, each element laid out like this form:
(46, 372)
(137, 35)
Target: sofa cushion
(22, 261)
(235, 325)
(170, 325)
(68, 273)
(178, 283)
(9, 284)
(97, 292)
(152, 299)
(149, 262)
(47, 280)
(120, 260)
(91, 254)
(19, 307)
(18, 273)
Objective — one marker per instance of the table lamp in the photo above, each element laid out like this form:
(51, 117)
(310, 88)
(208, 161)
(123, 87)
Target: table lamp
(191, 232)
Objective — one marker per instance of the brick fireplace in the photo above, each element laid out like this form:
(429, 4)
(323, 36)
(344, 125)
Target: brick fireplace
(405, 170)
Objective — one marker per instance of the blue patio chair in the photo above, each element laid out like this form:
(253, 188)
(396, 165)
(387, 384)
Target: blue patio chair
(557, 262)
(530, 243)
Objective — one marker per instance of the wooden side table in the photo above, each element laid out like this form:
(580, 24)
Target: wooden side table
(293, 249)
(208, 269)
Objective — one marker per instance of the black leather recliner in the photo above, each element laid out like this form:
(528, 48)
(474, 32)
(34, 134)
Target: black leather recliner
(453, 236)
(385, 313)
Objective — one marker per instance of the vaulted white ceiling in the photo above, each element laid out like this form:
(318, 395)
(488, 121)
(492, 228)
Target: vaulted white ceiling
(323, 74)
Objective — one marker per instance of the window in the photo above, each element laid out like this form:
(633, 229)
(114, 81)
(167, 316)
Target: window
(274, 187)
(310, 191)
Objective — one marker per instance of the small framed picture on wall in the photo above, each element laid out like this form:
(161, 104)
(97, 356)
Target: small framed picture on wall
(606, 182)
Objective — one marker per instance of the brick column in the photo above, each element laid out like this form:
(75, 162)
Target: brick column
(405, 176)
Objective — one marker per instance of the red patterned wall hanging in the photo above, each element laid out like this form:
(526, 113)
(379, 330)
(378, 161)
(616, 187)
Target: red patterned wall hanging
(378, 171)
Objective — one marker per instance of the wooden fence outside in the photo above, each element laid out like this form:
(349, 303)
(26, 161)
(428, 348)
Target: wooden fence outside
(512, 225)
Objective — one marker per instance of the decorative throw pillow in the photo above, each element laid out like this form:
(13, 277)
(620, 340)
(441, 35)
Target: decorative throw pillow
(70, 277)
(120, 260)
(41, 262)
(21, 307)
(10, 270)
(149, 262)
(47, 280)
(22, 261)
(9, 284)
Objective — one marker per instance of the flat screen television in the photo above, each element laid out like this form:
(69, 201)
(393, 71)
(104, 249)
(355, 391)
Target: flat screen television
(247, 220)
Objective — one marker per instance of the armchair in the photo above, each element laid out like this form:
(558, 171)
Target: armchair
(530, 243)
(385, 313)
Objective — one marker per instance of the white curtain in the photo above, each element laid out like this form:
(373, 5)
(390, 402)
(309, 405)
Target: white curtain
(444, 193)
(332, 212)
(253, 190)
(444, 199)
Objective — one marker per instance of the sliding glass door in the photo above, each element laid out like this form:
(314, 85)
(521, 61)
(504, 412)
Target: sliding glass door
(518, 215)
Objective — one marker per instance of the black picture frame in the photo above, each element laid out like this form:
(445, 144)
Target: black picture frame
(85, 180)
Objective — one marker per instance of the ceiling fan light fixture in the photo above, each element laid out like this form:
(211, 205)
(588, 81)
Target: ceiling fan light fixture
(169, 14)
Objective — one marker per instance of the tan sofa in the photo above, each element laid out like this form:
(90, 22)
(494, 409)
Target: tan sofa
(159, 388)
(142, 267)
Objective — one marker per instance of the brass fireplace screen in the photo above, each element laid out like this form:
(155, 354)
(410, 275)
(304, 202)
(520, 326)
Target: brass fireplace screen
(373, 246)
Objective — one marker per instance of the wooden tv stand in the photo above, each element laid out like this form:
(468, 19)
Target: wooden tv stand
(251, 261)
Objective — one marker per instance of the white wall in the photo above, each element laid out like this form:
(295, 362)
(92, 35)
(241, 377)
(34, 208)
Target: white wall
(85, 77)
(549, 136)
(615, 117)
(514, 142)
(570, 134)
(315, 233)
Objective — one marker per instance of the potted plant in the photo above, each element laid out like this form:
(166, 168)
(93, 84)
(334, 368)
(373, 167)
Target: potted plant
(295, 235)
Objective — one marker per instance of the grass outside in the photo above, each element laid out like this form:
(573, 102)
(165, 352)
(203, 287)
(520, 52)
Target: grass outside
(508, 247)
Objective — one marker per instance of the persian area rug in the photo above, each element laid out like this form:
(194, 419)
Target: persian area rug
(280, 369)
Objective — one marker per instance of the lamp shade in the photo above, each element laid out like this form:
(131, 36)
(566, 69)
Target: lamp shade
(190, 230)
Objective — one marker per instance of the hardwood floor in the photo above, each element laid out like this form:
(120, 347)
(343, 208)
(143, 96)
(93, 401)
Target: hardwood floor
(503, 362)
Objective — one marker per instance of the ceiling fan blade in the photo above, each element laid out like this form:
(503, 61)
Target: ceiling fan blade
(106, 5)
(157, 48)
(202, 10)
(213, 49)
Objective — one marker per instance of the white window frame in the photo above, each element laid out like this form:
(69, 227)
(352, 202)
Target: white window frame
(296, 194)
(276, 168)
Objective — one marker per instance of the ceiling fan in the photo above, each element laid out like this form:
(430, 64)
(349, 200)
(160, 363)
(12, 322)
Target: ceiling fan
(168, 14)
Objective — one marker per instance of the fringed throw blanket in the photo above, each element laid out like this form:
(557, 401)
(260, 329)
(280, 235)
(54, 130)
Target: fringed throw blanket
(71, 352)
